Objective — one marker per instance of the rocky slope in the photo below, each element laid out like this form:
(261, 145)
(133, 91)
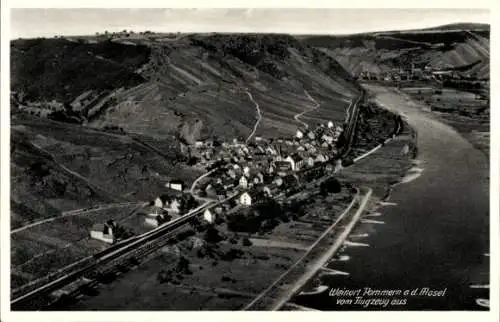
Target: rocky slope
(443, 47)
(195, 85)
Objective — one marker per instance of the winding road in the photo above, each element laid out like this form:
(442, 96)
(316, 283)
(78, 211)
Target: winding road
(258, 119)
(74, 213)
(297, 116)
(195, 182)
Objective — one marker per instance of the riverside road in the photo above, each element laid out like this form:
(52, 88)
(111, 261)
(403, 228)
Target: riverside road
(435, 233)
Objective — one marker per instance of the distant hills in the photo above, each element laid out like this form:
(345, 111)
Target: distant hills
(446, 46)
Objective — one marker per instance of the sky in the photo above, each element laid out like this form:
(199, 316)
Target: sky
(28, 23)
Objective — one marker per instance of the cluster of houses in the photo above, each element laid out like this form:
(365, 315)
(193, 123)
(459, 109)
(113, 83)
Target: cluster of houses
(265, 167)
(255, 170)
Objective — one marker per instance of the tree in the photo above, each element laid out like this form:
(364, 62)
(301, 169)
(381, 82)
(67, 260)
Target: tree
(331, 185)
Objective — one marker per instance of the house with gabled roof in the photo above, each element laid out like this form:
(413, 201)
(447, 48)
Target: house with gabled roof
(243, 182)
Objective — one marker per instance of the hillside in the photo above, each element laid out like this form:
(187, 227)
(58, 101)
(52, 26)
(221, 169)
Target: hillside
(440, 47)
(195, 86)
(101, 120)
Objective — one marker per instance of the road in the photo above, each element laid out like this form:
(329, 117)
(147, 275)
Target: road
(332, 250)
(275, 296)
(259, 116)
(435, 231)
(73, 213)
(24, 300)
(195, 182)
(406, 40)
(297, 116)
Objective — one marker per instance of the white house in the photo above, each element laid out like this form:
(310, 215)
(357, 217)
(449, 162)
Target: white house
(154, 220)
(231, 173)
(270, 150)
(295, 161)
(246, 199)
(278, 181)
(310, 161)
(327, 138)
(260, 176)
(102, 232)
(330, 124)
(174, 206)
(159, 202)
(209, 216)
(176, 185)
(246, 171)
(299, 134)
(311, 135)
(290, 160)
(243, 182)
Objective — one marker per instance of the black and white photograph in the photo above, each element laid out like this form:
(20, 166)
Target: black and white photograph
(248, 159)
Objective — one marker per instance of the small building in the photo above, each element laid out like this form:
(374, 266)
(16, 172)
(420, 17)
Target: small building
(102, 232)
(174, 205)
(176, 185)
(246, 171)
(249, 198)
(278, 181)
(330, 124)
(246, 199)
(270, 150)
(296, 161)
(209, 216)
(320, 158)
(231, 173)
(162, 201)
(299, 134)
(243, 182)
(311, 135)
(218, 210)
(310, 161)
(283, 166)
(267, 191)
(155, 220)
(327, 138)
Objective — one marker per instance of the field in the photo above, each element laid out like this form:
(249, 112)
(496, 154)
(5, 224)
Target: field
(219, 275)
(195, 87)
(43, 249)
(464, 111)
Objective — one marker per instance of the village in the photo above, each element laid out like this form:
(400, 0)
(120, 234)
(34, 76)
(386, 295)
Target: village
(238, 174)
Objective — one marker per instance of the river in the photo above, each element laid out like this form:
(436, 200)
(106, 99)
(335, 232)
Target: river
(434, 234)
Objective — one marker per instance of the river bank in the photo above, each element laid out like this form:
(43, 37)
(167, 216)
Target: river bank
(430, 232)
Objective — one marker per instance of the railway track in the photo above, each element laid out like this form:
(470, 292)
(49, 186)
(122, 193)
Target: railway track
(147, 242)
